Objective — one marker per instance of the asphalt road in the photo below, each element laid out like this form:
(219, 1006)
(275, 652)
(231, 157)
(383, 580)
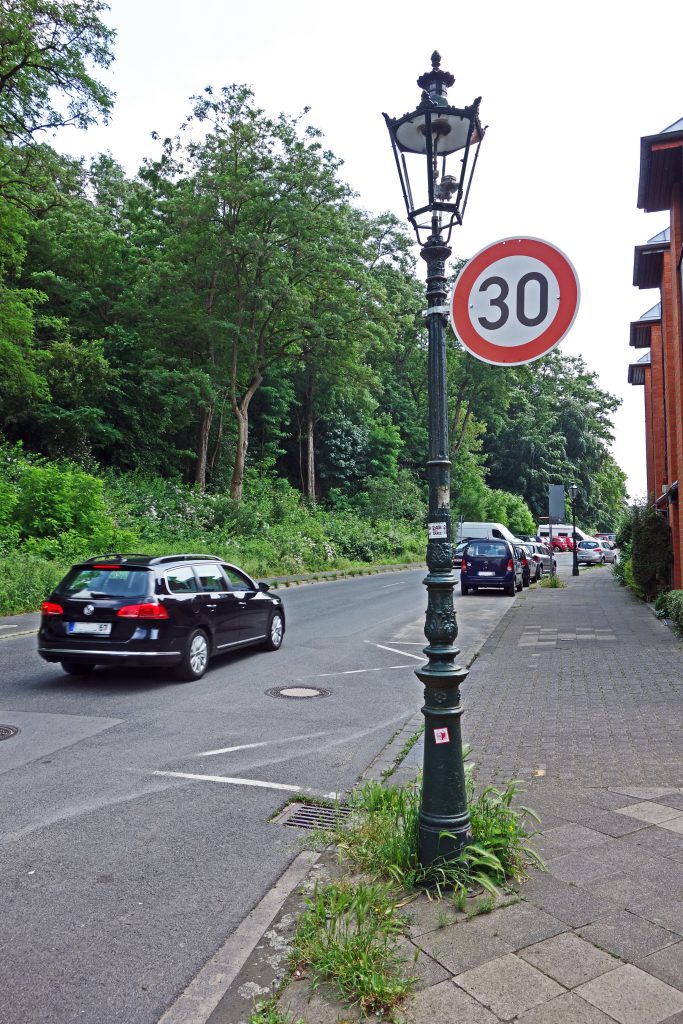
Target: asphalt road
(118, 882)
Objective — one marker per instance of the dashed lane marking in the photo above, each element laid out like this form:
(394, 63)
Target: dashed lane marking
(263, 743)
(232, 782)
(359, 671)
(393, 650)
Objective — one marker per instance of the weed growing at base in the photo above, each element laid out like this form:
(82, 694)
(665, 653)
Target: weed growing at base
(269, 1013)
(348, 937)
(349, 934)
(553, 582)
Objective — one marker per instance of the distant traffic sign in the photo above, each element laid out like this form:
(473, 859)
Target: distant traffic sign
(514, 301)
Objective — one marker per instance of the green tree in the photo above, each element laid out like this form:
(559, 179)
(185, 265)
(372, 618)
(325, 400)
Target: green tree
(46, 50)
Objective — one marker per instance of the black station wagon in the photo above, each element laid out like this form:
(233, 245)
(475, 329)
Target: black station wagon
(175, 610)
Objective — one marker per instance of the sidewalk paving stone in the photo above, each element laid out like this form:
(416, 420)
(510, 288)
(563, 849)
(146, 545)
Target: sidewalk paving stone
(508, 986)
(666, 964)
(632, 996)
(572, 904)
(461, 946)
(664, 911)
(649, 811)
(569, 960)
(565, 1009)
(446, 1004)
(627, 935)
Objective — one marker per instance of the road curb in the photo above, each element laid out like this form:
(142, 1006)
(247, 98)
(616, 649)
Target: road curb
(201, 997)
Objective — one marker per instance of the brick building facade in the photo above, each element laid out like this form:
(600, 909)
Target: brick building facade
(659, 371)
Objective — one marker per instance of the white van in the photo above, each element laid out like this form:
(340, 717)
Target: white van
(466, 530)
(562, 530)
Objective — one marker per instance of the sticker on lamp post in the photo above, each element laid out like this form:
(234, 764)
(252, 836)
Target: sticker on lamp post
(514, 301)
(437, 531)
(441, 736)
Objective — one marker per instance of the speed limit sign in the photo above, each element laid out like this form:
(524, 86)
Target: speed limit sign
(514, 301)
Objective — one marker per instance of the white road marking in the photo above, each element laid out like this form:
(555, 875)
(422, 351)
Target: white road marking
(263, 743)
(233, 782)
(387, 585)
(358, 671)
(393, 650)
(9, 627)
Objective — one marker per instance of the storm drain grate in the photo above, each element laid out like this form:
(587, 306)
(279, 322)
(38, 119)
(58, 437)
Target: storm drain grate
(310, 816)
(8, 731)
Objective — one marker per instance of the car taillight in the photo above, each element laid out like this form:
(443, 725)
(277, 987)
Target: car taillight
(524, 562)
(106, 566)
(50, 608)
(536, 558)
(463, 565)
(142, 611)
(510, 565)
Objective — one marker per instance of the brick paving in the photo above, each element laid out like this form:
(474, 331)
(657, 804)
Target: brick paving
(578, 693)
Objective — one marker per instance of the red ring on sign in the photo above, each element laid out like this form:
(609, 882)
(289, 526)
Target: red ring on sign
(545, 253)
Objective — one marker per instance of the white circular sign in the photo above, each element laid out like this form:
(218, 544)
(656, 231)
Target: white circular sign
(514, 301)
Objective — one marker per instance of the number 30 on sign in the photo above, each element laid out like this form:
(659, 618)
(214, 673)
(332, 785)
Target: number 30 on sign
(514, 301)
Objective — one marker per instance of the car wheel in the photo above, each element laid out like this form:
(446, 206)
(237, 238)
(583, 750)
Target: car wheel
(77, 668)
(464, 590)
(276, 632)
(510, 590)
(196, 657)
(525, 583)
(519, 586)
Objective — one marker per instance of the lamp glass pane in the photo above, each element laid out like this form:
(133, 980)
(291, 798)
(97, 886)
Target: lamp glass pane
(452, 132)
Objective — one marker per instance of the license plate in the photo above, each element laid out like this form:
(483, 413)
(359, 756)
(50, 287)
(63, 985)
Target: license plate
(98, 628)
(486, 574)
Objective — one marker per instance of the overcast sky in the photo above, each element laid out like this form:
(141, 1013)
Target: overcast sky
(567, 92)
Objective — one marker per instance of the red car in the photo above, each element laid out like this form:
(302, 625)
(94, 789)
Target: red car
(558, 544)
(569, 543)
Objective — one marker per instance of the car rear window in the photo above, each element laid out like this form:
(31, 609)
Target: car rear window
(487, 549)
(93, 582)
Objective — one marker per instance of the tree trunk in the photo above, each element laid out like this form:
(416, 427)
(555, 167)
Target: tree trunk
(242, 416)
(310, 455)
(204, 431)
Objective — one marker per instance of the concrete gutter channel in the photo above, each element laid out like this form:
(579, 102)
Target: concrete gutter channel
(252, 963)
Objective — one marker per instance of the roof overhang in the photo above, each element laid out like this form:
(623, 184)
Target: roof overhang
(641, 330)
(647, 264)
(636, 371)
(661, 166)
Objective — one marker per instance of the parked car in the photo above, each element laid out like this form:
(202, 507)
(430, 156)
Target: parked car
(175, 610)
(568, 541)
(525, 559)
(490, 563)
(535, 567)
(542, 558)
(591, 552)
(558, 543)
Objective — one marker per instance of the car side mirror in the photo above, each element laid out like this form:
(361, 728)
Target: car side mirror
(265, 587)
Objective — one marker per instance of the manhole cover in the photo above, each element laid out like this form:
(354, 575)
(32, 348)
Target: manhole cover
(298, 692)
(8, 731)
(311, 816)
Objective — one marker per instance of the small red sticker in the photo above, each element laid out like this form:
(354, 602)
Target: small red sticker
(441, 736)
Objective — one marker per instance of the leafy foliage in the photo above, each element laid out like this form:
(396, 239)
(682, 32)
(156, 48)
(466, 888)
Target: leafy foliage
(645, 540)
(229, 317)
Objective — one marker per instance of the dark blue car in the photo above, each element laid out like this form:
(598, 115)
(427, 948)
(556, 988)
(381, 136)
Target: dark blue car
(489, 562)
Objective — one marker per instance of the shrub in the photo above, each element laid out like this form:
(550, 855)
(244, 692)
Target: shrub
(674, 608)
(26, 580)
(651, 551)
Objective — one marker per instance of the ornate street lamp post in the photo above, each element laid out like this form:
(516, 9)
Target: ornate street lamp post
(573, 491)
(427, 137)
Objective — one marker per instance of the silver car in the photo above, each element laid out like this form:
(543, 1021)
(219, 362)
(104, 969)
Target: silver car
(541, 559)
(592, 552)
